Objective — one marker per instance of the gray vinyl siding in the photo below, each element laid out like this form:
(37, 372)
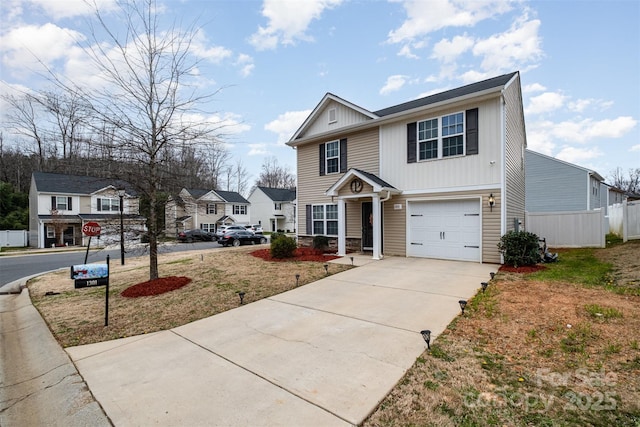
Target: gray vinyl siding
(515, 144)
(553, 186)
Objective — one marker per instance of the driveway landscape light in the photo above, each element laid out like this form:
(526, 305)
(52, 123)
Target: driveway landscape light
(463, 304)
(426, 334)
(297, 279)
(241, 295)
(484, 286)
(326, 269)
(492, 275)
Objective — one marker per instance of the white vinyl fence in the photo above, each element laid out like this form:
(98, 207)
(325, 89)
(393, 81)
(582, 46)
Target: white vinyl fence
(14, 238)
(569, 229)
(624, 220)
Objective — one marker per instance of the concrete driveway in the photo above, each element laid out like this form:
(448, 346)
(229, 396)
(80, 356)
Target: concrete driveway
(321, 355)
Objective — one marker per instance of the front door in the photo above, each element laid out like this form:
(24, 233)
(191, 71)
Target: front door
(367, 226)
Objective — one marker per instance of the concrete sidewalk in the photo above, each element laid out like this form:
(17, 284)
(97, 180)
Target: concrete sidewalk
(324, 354)
(39, 386)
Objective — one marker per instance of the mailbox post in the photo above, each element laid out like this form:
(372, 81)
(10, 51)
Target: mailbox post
(89, 275)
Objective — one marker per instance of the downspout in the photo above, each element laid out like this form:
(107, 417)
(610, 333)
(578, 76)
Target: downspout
(589, 191)
(386, 198)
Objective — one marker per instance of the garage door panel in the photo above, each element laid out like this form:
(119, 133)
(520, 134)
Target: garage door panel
(445, 229)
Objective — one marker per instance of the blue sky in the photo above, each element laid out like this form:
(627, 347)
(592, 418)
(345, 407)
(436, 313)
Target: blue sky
(275, 59)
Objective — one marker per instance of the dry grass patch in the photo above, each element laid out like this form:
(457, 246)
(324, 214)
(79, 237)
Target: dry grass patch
(530, 352)
(76, 316)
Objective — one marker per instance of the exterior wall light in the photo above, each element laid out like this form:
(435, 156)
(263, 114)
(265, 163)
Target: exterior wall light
(492, 201)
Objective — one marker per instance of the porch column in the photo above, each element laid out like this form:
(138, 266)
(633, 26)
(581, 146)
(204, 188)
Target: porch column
(342, 228)
(376, 226)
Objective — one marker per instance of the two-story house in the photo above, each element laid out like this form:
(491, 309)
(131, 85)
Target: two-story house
(205, 209)
(553, 185)
(273, 208)
(438, 177)
(59, 205)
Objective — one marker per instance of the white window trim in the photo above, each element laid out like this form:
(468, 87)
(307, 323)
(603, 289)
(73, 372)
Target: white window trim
(66, 203)
(237, 209)
(327, 158)
(324, 220)
(213, 211)
(112, 202)
(440, 138)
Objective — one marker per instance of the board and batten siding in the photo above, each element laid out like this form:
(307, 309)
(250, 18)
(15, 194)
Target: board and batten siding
(395, 221)
(345, 116)
(362, 153)
(554, 186)
(457, 171)
(515, 144)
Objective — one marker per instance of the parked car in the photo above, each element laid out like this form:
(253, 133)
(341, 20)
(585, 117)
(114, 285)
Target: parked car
(223, 229)
(241, 237)
(256, 228)
(193, 235)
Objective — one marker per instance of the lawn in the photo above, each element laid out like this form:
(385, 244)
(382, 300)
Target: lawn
(559, 347)
(76, 316)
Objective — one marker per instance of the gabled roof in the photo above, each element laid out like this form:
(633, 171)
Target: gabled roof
(225, 196)
(491, 85)
(279, 194)
(328, 97)
(374, 181)
(472, 88)
(77, 184)
(231, 196)
(595, 174)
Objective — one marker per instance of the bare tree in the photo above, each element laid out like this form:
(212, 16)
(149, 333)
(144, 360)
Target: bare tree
(146, 100)
(241, 175)
(275, 176)
(630, 183)
(24, 119)
(216, 159)
(68, 114)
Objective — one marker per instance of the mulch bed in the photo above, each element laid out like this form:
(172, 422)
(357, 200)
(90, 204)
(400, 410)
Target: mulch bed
(300, 254)
(522, 269)
(156, 287)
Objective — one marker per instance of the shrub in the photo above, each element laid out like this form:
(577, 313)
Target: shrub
(320, 243)
(276, 236)
(283, 246)
(520, 248)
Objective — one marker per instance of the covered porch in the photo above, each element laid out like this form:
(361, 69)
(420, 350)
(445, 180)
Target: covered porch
(359, 196)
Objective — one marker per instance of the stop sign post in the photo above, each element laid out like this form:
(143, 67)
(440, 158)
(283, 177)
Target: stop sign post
(90, 229)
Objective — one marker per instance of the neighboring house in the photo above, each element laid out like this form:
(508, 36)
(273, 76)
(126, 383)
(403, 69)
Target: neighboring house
(614, 195)
(59, 205)
(273, 208)
(437, 177)
(553, 185)
(205, 209)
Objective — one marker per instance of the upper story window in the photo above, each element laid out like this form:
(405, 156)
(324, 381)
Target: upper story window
(277, 206)
(212, 208)
(61, 203)
(106, 205)
(239, 209)
(441, 137)
(333, 156)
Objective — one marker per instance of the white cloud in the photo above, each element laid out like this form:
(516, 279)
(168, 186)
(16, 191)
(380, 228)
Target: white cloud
(424, 18)
(71, 8)
(578, 155)
(534, 87)
(24, 47)
(393, 84)
(548, 101)
(516, 48)
(581, 105)
(200, 48)
(245, 62)
(406, 52)
(635, 148)
(288, 21)
(447, 51)
(258, 150)
(589, 129)
(286, 124)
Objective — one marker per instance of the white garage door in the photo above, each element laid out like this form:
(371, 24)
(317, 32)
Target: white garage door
(447, 229)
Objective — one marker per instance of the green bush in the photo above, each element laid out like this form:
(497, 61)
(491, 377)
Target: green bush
(520, 248)
(283, 247)
(320, 243)
(276, 236)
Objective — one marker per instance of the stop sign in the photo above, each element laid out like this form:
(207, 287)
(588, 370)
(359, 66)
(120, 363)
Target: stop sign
(91, 229)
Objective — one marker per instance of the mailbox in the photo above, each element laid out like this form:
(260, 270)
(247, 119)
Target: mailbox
(86, 275)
